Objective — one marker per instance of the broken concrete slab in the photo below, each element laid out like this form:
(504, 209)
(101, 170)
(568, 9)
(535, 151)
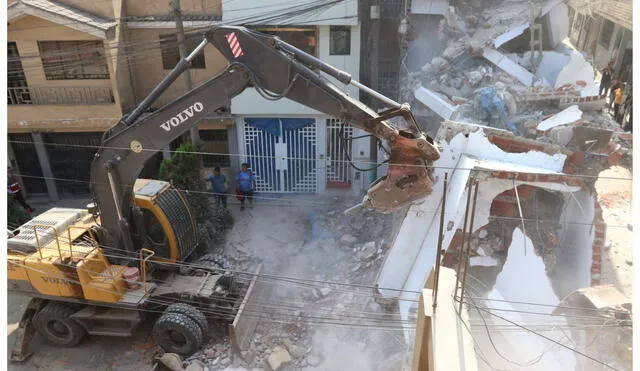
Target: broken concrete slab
(578, 72)
(278, 358)
(432, 7)
(512, 68)
(511, 34)
(435, 102)
(565, 117)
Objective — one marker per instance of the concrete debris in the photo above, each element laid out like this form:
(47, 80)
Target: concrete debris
(278, 357)
(347, 238)
(565, 117)
(171, 361)
(196, 366)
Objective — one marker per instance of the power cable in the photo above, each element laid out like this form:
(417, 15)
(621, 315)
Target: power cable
(311, 203)
(546, 337)
(312, 159)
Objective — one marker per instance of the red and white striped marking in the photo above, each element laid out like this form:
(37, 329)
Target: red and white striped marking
(234, 44)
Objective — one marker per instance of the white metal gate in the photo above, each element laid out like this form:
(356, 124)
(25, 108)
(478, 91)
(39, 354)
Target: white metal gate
(338, 153)
(282, 163)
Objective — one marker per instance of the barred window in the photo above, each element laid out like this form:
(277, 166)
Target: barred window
(73, 60)
(216, 143)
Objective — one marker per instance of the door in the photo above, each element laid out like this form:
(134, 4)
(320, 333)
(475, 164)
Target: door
(282, 154)
(71, 155)
(338, 154)
(28, 164)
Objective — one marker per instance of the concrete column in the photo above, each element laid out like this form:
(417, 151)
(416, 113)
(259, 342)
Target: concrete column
(45, 165)
(321, 156)
(234, 145)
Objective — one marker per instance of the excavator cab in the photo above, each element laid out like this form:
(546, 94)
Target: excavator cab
(165, 223)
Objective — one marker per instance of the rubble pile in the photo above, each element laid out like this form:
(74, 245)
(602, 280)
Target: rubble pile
(488, 75)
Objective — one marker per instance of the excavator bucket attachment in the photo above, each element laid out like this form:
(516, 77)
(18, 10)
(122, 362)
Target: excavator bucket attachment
(25, 332)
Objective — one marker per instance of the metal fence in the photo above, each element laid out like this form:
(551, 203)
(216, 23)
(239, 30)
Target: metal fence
(60, 95)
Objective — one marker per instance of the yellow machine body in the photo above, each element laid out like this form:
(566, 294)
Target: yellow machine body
(57, 255)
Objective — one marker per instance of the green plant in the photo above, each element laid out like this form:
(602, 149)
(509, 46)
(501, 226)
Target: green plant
(183, 170)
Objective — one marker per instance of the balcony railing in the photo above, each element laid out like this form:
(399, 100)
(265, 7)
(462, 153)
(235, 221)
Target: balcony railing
(60, 95)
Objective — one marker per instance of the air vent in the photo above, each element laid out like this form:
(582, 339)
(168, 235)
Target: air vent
(57, 219)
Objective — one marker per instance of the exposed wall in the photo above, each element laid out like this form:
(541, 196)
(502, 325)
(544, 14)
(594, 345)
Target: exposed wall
(251, 103)
(188, 7)
(102, 8)
(148, 70)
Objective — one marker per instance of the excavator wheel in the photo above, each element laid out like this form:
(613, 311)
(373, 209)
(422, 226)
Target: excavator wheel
(191, 312)
(177, 333)
(54, 324)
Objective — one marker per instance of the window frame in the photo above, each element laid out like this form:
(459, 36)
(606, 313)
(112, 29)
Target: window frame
(281, 32)
(169, 49)
(608, 34)
(56, 57)
(334, 31)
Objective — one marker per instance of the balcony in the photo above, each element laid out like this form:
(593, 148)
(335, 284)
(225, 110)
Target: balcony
(60, 95)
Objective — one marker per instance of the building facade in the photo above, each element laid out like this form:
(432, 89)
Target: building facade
(603, 30)
(75, 67)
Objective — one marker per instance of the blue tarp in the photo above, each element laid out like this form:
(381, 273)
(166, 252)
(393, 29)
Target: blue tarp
(272, 125)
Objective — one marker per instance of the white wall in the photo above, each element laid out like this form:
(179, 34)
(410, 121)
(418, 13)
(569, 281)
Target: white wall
(343, 13)
(250, 102)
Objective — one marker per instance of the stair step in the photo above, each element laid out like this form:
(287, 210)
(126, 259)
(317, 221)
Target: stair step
(107, 314)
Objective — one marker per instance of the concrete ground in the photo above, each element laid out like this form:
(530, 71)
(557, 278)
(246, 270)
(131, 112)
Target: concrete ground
(260, 230)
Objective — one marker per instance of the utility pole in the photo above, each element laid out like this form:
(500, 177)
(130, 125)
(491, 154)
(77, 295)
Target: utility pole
(175, 6)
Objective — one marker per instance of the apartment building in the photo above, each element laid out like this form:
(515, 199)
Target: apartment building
(290, 147)
(75, 67)
(603, 30)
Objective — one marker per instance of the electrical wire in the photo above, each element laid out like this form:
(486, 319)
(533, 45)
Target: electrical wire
(312, 159)
(296, 202)
(545, 337)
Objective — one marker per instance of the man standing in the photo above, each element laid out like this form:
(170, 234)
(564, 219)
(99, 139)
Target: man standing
(619, 93)
(605, 82)
(612, 93)
(219, 186)
(245, 183)
(13, 188)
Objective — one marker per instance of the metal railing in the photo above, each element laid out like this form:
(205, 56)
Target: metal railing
(60, 95)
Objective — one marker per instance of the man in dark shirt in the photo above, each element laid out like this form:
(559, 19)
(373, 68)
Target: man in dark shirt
(219, 186)
(605, 82)
(13, 188)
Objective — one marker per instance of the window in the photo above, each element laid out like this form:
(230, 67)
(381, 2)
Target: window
(340, 40)
(73, 60)
(171, 55)
(303, 38)
(217, 143)
(606, 34)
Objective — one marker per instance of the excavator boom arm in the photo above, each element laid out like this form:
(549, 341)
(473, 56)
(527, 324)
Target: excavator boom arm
(276, 70)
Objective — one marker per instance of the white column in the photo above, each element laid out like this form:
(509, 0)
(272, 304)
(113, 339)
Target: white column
(321, 155)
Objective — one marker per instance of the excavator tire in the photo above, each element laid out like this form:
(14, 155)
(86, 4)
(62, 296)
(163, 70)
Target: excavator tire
(177, 333)
(54, 324)
(191, 312)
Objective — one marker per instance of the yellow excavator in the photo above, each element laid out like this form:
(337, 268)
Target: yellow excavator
(102, 270)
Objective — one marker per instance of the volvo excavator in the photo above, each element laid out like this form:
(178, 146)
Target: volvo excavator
(102, 270)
